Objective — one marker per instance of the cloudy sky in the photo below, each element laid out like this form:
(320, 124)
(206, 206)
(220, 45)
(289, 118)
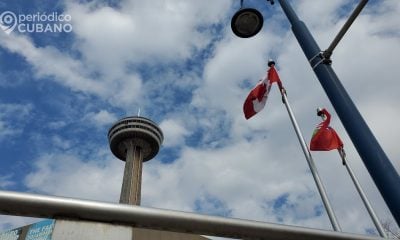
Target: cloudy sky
(178, 61)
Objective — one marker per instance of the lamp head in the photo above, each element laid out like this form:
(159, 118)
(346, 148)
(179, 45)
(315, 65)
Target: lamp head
(247, 22)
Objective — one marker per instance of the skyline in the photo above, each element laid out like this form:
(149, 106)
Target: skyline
(179, 62)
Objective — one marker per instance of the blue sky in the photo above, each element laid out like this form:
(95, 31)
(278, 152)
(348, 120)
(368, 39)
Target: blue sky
(178, 61)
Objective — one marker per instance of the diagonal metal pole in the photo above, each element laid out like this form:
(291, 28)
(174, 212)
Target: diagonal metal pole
(311, 164)
(328, 52)
(364, 198)
(378, 164)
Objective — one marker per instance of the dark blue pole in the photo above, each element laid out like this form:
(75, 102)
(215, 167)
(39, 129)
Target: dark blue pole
(379, 166)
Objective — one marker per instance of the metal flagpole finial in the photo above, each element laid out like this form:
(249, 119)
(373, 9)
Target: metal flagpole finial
(319, 111)
(271, 62)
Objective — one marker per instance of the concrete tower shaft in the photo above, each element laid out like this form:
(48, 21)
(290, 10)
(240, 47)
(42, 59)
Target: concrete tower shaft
(134, 140)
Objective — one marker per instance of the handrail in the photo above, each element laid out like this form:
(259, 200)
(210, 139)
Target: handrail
(33, 205)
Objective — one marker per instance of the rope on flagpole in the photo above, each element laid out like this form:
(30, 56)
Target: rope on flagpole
(311, 164)
(364, 198)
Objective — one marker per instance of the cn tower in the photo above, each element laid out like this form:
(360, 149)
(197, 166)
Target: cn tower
(134, 140)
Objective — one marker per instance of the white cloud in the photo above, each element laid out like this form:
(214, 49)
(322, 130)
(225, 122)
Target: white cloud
(50, 62)
(111, 41)
(245, 177)
(13, 118)
(6, 181)
(60, 143)
(68, 175)
(174, 133)
(57, 124)
(101, 118)
(143, 31)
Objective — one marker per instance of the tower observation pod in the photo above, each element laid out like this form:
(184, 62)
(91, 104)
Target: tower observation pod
(134, 140)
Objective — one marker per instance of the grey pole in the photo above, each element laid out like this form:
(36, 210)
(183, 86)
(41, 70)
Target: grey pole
(364, 198)
(311, 164)
(32, 205)
(378, 164)
(328, 52)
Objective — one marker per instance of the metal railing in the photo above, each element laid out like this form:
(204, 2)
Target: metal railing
(32, 205)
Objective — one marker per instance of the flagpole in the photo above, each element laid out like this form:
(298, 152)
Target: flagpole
(378, 164)
(311, 164)
(364, 198)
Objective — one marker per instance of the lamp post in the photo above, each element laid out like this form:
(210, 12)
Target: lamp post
(377, 163)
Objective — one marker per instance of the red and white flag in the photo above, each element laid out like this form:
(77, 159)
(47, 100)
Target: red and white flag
(324, 137)
(257, 97)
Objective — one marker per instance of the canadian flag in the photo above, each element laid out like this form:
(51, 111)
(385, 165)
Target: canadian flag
(257, 97)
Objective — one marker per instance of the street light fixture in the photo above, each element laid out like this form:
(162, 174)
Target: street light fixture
(247, 22)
